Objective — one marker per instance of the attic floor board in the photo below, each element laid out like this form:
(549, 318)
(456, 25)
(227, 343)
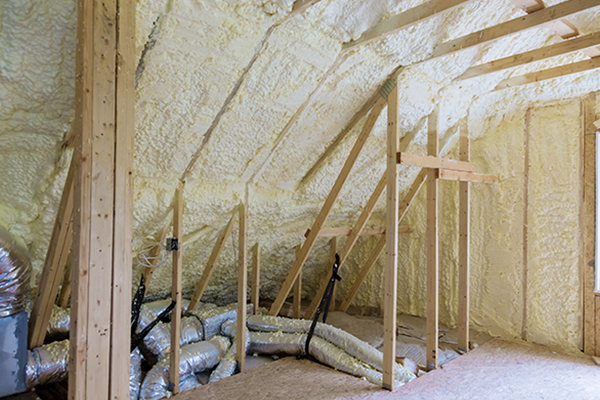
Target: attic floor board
(496, 370)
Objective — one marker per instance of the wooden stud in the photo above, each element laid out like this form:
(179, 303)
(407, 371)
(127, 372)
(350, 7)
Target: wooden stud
(432, 248)
(333, 249)
(403, 208)
(327, 207)
(255, 290)
(589, 220)
(525, 285)
(242, 289)
(464, 218)
(551, 73)
(65, 288)
(405, 20)
(297, 308)
(347, 231)
(54, 265)
(450, 175)
(391, 259)
(176, 289)
(434, 162)
(529, 6)
(211, 264)
(102, 219)
(566, 47)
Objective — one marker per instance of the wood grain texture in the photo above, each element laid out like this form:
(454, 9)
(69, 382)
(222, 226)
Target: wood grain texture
(255, 287)
(176, 285)
(242, 288)
(464, 220)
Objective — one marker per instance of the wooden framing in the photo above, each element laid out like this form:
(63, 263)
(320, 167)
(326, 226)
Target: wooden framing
(538, 18)
(433, 162)
(333, 249)
(242, 288)
(54, 265)
(550, 73)
(347, 231)
(591, 304)
(391, 259)
(297, 307)
(211, 264)
(450, 175)
(255, 288)
(155, 252)
(405, 20)
(432, 248)
(566, 47)
(65, 288)
(464, 219)
(103, 197)
(403, 208)
(176, 285)
(327, 207)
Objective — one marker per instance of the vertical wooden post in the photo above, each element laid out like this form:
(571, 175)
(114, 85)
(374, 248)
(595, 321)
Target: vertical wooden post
(255, 290)
(391, 240)
(298, 290)
(65, 289)
(464, 245)
(332, 251)
(590, 323)
(102, 220)
(176, 289)
(525, 223)
(432, 247)
(242, 289)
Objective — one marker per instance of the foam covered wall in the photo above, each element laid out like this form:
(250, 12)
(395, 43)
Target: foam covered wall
(294, 99)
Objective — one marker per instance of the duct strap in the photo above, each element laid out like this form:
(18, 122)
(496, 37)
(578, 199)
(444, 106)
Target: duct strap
(326, 300)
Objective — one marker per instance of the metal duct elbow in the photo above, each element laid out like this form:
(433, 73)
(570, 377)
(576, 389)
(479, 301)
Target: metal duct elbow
(48, 363)
(15, 274)
(228, 364)
(194, 357)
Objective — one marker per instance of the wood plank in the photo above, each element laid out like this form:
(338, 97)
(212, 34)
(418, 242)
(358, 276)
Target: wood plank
(433, 162)
(589, 220)
(255, 289)
(65, 288)
(597, 328)
(328, 206)
(82, 159)
(333, 249)
(242, 288)
(176, 284)
(403, 208)
(432, 248)
(123, 200)
(297, 306)
(359, 226)
(54, 265)
(529, 6)
(450, 175)
(525, 284)
(391, 259)
(464, 219)
(551, 73)
(405, 20)
(347, 231)
(566, 47)
(520, 24)
(211, 264)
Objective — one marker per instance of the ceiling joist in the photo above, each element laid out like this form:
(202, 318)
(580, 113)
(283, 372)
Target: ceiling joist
(580, 43)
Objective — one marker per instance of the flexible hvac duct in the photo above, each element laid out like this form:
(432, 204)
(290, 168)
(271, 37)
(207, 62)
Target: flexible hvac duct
(342, 339)
(15, 273)
(48, 363)
(325, 352)
(228, 364)
(59, 324)
(135, 374)
(195, 357)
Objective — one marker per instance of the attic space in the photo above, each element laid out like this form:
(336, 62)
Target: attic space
(299, 199)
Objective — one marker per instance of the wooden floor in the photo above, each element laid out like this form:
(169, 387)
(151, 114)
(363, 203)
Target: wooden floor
(496, 370)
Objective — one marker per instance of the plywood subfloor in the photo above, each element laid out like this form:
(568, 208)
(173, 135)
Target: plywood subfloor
(496, 370)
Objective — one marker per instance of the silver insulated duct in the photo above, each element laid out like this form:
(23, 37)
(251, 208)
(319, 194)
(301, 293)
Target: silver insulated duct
(15, 274)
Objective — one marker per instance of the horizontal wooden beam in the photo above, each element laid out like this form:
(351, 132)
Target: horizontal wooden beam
(529, 6)
(433, 162)
(450, 175)
(551, 73)
(520, 24)
(346, 230)
(569, 46)
(405, 20)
